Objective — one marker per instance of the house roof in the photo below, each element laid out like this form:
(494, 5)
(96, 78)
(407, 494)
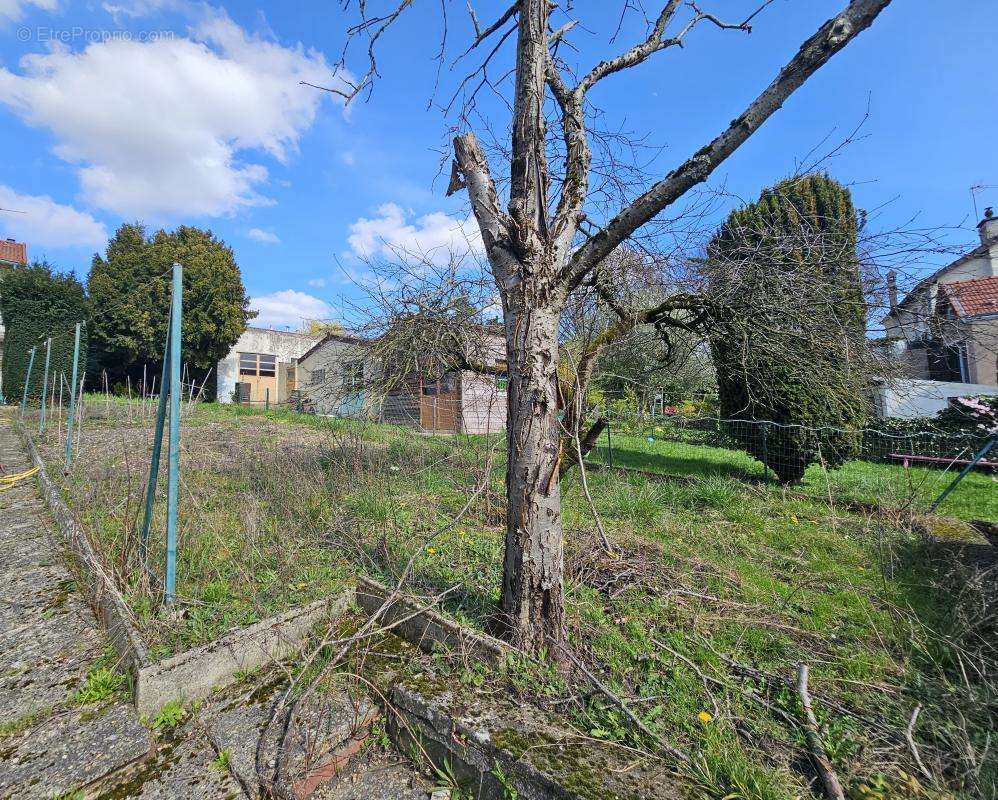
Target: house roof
(331, 337)
(973, 298)
(928, 280)
(13, 252)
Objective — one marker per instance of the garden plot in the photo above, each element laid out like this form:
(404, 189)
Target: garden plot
(717, 588)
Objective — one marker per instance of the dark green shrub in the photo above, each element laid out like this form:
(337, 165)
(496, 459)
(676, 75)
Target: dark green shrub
(788, 324)
(38, 303)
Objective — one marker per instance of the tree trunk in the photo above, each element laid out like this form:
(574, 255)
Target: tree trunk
(532, 601)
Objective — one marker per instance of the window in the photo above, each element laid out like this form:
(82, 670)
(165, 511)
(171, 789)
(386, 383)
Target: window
(247, 363)
(318, 377)
(260, 364)
(353, 376)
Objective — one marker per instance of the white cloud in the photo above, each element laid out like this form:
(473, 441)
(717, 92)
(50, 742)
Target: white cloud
(260, 235)
(288, 307)
(47, 223)
(138, 8)
(394, 232)
(162, 128)
(13, 10)
(316, 283)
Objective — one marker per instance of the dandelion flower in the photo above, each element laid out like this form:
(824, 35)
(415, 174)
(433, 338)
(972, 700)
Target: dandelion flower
(431, 550)
(705, 717)
(794, 520)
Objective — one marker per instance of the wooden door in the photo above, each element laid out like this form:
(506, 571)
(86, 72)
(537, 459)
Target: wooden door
(440, 404)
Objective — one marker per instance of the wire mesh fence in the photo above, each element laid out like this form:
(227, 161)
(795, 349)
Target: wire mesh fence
(910, 466)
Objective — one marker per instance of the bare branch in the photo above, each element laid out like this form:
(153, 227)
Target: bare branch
(830, 38)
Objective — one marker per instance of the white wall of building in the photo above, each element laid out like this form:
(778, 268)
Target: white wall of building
(286, 346)
(907, 399)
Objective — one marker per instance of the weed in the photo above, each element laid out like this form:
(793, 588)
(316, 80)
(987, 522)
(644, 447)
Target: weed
(169, 716)
(101, 684)
(509, 791)
(223, 761)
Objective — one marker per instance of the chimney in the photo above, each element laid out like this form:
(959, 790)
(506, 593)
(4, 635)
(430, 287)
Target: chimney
(892, 289)
(988, 227)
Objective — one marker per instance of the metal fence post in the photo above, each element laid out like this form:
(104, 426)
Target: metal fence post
(72, 398)
(266, 406)
(27, 380)
(45, 384)
(157, 445)
(173, 487)
(765, 450)
(980, 455)
(609, 444)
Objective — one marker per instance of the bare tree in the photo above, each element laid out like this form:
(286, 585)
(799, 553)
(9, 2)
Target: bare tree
(538, 253)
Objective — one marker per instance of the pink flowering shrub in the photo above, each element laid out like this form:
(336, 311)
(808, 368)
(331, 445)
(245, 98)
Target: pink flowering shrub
(974, 414)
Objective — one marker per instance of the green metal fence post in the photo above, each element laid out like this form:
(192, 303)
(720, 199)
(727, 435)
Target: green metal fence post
(45, 384)
(27, 380)
(157, 446)
(266, 406)
(173, 487)
(72, 398)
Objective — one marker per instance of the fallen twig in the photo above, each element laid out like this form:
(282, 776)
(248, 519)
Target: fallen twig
(909, 735)
(617, 701)
(830, 781)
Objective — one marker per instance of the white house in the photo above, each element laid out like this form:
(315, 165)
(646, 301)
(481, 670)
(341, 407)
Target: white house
(944, 333)
(262, 366)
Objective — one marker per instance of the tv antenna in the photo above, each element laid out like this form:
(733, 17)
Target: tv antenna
(978, 187)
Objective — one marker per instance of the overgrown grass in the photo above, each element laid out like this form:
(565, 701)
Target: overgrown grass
(718, 586)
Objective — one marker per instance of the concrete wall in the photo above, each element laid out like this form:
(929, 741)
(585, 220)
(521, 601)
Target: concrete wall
(982, 350)
(288, 347)
(321, 379)
(918, 398)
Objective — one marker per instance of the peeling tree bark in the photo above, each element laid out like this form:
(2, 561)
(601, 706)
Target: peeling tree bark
(532, 599)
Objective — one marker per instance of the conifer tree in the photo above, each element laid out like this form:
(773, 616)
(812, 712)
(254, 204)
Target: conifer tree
(788, 334)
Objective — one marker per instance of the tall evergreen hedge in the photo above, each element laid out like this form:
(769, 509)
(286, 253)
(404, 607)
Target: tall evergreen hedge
(788, 338)
(37, 303)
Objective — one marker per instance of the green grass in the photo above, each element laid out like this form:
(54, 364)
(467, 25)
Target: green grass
(976, 497)
(282, 508)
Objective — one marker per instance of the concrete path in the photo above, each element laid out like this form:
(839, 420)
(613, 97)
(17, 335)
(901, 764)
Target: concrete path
(51, 743)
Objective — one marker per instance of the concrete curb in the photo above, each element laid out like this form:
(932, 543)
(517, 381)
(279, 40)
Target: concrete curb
(192, 674)
(467, 752)
(195, 674)
(428, 630)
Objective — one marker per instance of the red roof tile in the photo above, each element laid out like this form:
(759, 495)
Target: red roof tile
(17, 252)
(973, 298)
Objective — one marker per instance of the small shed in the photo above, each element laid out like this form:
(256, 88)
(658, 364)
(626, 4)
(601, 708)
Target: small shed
(334, 376)
(458, 401)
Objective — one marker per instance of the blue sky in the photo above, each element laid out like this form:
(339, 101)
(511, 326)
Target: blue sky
(169, 112)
